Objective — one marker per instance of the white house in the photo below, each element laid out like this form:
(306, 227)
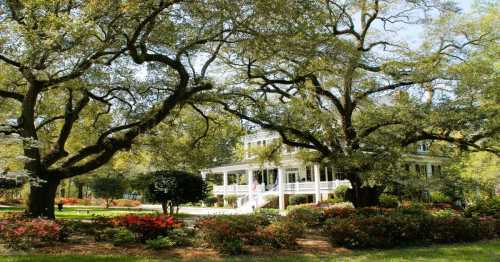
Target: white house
(253, 183)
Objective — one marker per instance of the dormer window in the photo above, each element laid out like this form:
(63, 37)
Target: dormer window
(423, 147)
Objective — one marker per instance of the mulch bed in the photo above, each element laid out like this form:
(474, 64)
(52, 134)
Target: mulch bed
(314, 245)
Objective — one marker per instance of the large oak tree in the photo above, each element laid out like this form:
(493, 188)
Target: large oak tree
(345, 79)
(85, 78)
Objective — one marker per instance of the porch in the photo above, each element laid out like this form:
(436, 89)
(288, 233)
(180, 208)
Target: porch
(253, 183)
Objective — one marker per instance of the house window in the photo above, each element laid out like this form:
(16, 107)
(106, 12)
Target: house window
(309, 173)
(436, 170)
(339, 173)
(423, 147)
(421, 169)
(322, 174)
(329, 172)
(292, 174)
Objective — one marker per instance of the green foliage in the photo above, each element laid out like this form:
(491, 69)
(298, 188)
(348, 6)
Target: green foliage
(231, 200)
(109, 187)
(229, 233)
(118, 236)
(174, 188)
(282, 234)
(438, 197)
(388, 201)
(309, 216)
(160, 243)
(339, 193)
(399, 230)
(298, 199)
(210, 200)
(488, 207)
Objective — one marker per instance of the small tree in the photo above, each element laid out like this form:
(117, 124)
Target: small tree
(109, 188)
(173, 188)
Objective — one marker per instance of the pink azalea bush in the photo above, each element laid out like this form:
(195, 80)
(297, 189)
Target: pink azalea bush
(22, 234)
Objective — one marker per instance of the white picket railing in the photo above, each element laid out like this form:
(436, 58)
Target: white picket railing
(290, 188)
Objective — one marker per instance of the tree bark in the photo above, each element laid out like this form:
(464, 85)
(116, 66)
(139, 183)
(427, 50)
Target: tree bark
(164, 207)
(80, 191)
(362, 196)
(42, 198)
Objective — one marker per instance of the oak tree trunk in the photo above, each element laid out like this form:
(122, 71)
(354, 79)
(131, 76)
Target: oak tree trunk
(41, 199)
(80, 191)
(362, 196)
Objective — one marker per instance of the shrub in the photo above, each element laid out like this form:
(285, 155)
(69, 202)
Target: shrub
(438, 197)
(117, 236)
(282, 234)
(22, 234)
(109, 188)
(340, 191)
(229, 233)
(309, 216)
(400, 229)
(298, 199)
(126, 203)
(147, 226)
(180, 236)
(459, 229)
(448, 212)
(210, 200)
(172, 188)
(231, 200)
(269, 214)
(345, 232)
(388, 201)
(160, 243)
(488, 207)
(338, 212)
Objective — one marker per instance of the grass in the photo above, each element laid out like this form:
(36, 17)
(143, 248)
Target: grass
(480, 251)
(89, 212)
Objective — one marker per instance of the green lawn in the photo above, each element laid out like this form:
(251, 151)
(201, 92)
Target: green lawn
(481, 251)
(88, 212)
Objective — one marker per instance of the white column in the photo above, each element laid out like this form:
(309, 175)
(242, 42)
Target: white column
(281, 189)
(225, 187)
(317, 191)
(429, 170)
(250, 186)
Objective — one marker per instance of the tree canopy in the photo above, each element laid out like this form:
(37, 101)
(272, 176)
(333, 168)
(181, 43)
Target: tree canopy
(84, 81)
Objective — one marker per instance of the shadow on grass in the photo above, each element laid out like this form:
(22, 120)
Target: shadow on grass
(480, 251)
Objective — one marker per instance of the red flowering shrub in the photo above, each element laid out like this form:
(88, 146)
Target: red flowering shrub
(229, 233)
(310, 216)
(282, 234)
(459, 229)
(399, 229)
(147, 226)
(28, 233)
(338, 212)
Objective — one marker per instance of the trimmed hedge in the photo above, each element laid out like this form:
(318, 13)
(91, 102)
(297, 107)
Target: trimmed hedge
(400, 229)
(229, 234)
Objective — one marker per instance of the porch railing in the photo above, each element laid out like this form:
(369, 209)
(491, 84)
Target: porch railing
(290, 188)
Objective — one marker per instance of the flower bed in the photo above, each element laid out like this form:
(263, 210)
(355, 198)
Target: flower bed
(23, 234)
(403, 227)
(98, 202)
(147, 226)
(229, 234)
